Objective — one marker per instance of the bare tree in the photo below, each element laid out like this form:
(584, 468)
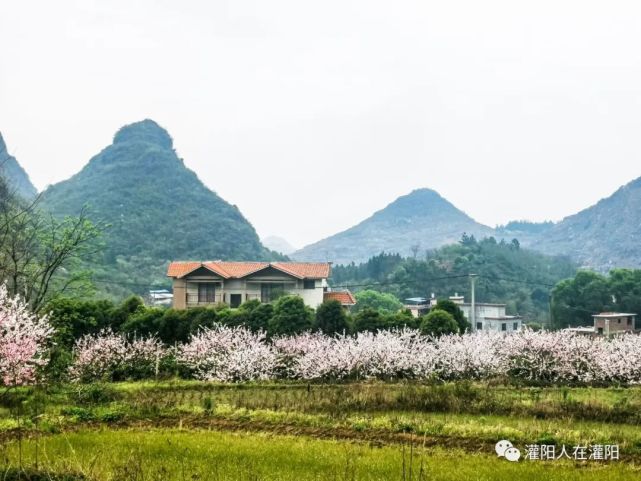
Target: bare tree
(37, 251)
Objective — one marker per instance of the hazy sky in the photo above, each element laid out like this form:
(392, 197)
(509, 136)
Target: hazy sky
(311, 115)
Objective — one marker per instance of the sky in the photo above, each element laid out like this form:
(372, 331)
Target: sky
(310, 116)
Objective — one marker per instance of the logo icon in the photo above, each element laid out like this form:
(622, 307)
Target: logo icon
(504, 448)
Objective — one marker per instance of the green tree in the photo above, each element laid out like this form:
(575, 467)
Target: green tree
(72, 319)
(40, 254)
(403, 318)
(260, 317)
(331, 318)
(121, 313)
(575, 300)
(456, 313)
(370, 320)
(383, 302)
(438, 323)
(291, 316)
(249, 306)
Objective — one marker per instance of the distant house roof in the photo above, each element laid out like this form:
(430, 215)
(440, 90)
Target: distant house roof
(580, 329)
(344, 297)
(614, 314)
(416, 300)
(236, 270)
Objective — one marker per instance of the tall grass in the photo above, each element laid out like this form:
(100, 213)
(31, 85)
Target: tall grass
(170, 455)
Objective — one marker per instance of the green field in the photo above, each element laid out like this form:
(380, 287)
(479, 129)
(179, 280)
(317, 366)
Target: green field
(190, 430)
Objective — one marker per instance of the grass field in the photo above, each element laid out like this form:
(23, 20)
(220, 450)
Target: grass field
(190, 430)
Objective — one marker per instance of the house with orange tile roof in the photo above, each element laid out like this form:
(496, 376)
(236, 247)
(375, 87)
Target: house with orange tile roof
(202, 283)
(345, 297)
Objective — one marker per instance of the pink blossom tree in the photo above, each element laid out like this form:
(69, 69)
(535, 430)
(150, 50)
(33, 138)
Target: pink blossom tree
(227, 354)
(24, 340)
(105, 355)
(230, 354)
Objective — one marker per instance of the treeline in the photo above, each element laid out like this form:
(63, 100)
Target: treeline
(72, 319)
(521, 278)
(575, 300)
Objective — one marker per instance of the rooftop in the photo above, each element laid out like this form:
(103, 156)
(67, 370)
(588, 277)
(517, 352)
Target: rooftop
(237, 270)
(614, 314)
(344, 297)
(581, 329)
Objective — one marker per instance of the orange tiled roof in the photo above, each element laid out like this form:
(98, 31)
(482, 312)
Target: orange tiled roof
(227, 270)
(344, 297)
(314, 270)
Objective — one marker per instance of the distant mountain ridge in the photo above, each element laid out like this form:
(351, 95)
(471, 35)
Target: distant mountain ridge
(15, 175)
(603, 236)
(278, 244)
(157, 210)
(416, 221)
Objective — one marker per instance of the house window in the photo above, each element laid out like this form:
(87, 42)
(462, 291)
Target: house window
(479, 326)
(630, 321)
(206, 292)
(271, 292)
(619, 320)
(515, 326)
(600, 330)
(235, 300)
(309, 284)
(504, 326)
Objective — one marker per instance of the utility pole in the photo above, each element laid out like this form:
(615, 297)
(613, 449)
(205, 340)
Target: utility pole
(473, 301)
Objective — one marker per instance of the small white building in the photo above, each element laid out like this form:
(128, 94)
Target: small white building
(488, 317)
(160, 297)
(419, 306)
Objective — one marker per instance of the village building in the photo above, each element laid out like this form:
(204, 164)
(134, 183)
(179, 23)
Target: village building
(607, 323)
(419, 306)
(232, 283)
(160, 297)
(487, 316)
(345, 297)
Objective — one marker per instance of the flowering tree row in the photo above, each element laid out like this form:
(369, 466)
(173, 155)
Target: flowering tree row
(228, 354)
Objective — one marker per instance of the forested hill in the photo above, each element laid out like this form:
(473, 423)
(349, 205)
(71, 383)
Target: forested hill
(507, 273)
(156, 210)
(417, 221)
(16, 177)
(603, 236)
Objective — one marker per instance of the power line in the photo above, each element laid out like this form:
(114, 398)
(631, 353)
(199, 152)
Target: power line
(354, 285)
(533, 283)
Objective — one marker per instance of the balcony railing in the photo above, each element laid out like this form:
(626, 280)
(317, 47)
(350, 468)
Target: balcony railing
(194, 300)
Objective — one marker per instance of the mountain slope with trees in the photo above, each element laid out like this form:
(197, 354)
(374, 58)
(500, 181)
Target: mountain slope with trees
(507, 273)
(411, 224)
(603, 236)
(155, 209)
(16, 177)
